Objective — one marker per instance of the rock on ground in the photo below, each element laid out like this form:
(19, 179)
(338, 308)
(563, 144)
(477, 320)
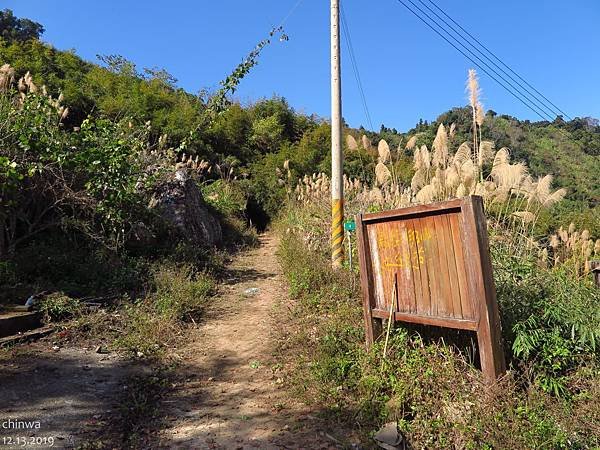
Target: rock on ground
(180, 202)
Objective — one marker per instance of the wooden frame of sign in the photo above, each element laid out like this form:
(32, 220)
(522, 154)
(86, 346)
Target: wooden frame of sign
(430, 265)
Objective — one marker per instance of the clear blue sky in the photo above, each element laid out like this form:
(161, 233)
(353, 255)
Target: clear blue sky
(407, 71)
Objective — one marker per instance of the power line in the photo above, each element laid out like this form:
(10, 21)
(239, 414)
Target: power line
(531, 103)
(534, 109)
(517, 95)
(348, 40)
(354, 64)
(543, 106)
(289, 14)
(499, 60)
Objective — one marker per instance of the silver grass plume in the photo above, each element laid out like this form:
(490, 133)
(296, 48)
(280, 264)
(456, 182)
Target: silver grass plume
(351, 142)
(525, 216)
(452, 131)
(440, 147)
(382, 174)
(7, 77)
(366, 142)
(383, 149)
(426, 194)
(486, 150)
(462, 155)
(411, 143)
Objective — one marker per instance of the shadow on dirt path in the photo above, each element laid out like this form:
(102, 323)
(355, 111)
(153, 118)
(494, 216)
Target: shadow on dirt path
(229, 394)
(63, 397)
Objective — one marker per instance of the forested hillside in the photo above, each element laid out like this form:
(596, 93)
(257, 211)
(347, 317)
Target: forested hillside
(258, 137)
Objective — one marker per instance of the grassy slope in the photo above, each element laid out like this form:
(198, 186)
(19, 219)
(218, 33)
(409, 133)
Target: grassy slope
(434, 393)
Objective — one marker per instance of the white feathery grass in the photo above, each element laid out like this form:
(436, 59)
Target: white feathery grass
(452, 130)
(382, 174)
(473, 89)
(7, 77)
(366, 143)
(486, 150)
(426, 157)
(418, 180)
(440, 147)
(462, 155)
(351, 142)
(64, 114)
(461, 191)
(542, 189)
(555, 197)
(418, 160)
(426, 194)
(452, 178)
(375, 195)
(479, 114)
(383, 149)
(525, 216)
(501, 158)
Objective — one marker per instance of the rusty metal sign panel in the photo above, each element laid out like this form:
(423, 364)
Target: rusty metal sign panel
(430, 265)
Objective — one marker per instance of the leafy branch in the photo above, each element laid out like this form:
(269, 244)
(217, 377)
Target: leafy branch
(219, 102)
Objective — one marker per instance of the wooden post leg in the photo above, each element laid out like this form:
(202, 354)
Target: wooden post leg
(491, 354)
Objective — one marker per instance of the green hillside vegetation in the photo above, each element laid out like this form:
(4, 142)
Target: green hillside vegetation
(256, 138)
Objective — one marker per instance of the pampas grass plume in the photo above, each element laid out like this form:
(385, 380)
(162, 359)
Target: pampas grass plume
(351, 142)
(384, 151)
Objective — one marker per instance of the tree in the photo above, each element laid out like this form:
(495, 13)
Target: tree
(92, 179)
(14, 29)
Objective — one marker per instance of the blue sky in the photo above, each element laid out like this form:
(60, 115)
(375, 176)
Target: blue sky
(408, 72)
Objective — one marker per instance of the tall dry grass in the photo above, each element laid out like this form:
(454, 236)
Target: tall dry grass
(511, 194)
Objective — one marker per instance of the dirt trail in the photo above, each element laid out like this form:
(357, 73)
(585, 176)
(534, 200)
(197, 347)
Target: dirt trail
(230, 395)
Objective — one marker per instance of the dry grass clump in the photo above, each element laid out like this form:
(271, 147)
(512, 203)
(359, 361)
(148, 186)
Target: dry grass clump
(571, 247)
(443, 171)
(25, 86)
(441, 174)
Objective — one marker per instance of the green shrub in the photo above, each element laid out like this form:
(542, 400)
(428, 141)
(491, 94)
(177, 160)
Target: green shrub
(57, 262)
(226, 197)
(179, 295)
(58, 306)
(8, 273)
(551, 319)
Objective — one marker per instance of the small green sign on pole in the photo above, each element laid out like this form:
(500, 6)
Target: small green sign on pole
(350, 227)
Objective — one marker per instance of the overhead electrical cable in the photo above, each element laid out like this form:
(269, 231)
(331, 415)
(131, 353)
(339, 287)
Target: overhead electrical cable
(499, 60)
(490, 72)
(289, 14)
(522, 96)
(354, 63)
(532, 96)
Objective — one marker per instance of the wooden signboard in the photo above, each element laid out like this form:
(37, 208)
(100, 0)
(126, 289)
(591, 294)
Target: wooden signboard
(430, 265)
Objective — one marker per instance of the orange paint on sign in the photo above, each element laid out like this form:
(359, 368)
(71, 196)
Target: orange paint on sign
(401, 258)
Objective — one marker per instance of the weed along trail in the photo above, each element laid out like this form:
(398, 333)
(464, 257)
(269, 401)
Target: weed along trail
(229, 394)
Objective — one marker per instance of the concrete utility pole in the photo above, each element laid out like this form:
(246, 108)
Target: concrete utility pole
(337, 180)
